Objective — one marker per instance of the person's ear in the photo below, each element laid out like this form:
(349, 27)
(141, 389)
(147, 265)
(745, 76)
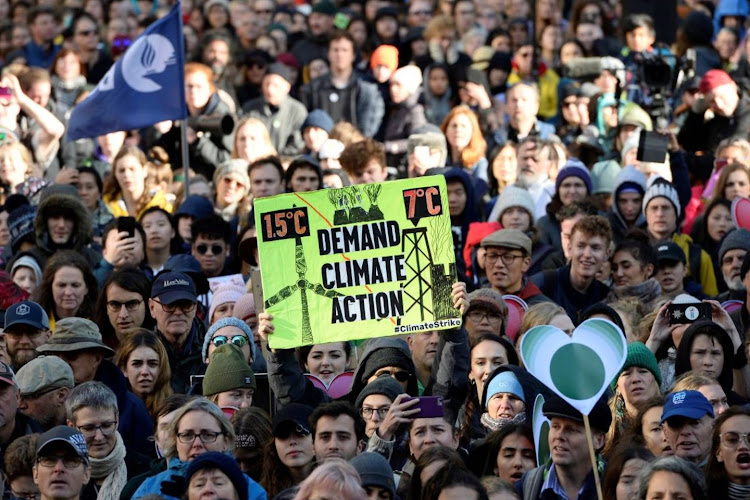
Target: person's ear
(526, 264)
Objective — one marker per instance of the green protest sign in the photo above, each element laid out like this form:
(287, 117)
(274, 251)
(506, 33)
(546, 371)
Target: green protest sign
(357, 262)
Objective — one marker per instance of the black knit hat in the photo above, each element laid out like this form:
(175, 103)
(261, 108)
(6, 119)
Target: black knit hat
(387, 356)
(223, 462)
(600, 417)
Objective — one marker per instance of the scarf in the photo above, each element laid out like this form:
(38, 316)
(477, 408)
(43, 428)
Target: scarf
(495, 424)
(227, 213)
(646, 292)
(113, 469)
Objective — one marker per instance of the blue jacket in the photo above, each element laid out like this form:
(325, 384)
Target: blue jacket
(725, 8)
(178, 468)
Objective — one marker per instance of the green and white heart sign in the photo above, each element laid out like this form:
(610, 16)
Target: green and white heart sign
(541, 431)
(579, 367)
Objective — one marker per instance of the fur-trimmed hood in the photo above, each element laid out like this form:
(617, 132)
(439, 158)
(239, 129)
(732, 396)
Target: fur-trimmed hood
(58, 202)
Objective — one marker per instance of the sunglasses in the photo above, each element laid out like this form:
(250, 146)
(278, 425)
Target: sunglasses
(238, 340)
(203, 249)
(399, 375)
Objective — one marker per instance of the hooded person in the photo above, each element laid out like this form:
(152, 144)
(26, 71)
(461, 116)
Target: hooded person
(404, 115)
(509, 397)
(627, 200)
(461, 216)
(714, 334)
(437, 106)
(383, 355)
(59, 206)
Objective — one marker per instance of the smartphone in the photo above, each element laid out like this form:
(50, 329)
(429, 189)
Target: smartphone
(429, 406)
(684, 314)
(652, 147)
(422, 153)
(126, 224)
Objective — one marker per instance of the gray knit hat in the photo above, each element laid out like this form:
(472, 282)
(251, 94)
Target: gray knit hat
(384, 385)
(374, 470)
(665, 189)
(227, 371)
(223, 322)
(236, 168)
(512, 196)
(737, 238)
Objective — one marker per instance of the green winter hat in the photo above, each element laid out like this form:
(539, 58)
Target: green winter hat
(640, 355)
(227, 371)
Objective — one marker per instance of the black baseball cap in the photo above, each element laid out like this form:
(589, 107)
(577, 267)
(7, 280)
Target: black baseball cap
(26, 313)
(669, 251)
(293, 417)
(600, 417)
(69, 436)
(171, 287)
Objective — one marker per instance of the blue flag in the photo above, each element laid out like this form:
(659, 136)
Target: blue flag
(145, 86)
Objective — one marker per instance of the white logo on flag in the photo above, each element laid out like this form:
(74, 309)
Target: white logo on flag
(149, 55)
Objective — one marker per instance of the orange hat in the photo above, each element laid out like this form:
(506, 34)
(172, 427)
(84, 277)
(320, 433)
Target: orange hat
(385, 55)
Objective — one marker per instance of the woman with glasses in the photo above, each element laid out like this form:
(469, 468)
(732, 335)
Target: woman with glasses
(86, 41)
(142, 358)
(123, 305)
(728, 467)
(198, 427)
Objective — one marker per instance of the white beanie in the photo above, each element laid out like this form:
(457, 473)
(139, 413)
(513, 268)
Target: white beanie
(665, 189)
(225, 293)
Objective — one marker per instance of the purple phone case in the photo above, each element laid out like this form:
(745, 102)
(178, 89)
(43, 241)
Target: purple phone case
(430, 406)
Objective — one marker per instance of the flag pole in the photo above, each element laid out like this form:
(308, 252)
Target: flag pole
(185, 155)
(592, 456)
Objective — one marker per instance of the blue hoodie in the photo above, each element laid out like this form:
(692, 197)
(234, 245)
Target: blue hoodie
(726, 8)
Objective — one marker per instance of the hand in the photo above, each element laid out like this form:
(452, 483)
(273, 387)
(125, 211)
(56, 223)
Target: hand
(722, 318)
(164, 127)
(460, 297)
(265, 325)
(673, 144)
(191, 135)
(120, 252)
(399, 413)
(416, 169)
(478, 93)
(661, 330)
(66, 175)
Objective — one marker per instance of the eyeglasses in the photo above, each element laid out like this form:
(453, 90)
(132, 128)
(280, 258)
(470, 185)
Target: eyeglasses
(732, 439)
(24, 495)
(183, 305)
(570, 104)
(507, 258)
(68, 462)
(107, 428)
(367, 412)
(130, 305)
(478, 316)
(202, 249)
(37, 395)
(399, 375)
(86, 33)
(238, 340)
(205, 436)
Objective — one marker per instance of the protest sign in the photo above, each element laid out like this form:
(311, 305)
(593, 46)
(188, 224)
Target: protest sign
(541, 431)
(578, 367)
(357, 262)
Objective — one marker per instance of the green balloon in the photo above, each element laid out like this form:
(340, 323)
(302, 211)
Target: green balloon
(577, 371)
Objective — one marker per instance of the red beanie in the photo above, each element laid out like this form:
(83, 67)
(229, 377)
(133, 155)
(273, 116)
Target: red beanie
(712, 79)
(385, 55)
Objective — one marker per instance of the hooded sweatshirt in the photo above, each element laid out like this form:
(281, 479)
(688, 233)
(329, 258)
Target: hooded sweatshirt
(366, 368)
(632, 175)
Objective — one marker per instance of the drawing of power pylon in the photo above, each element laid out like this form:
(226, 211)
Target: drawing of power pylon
(419, 261)
(302, 285)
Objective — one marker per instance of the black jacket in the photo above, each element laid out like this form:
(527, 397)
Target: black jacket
(187, 362)
(699, 135)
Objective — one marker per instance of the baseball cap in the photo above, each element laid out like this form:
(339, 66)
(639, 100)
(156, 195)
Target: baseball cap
(508, 238)
(69, 436)
(686, 404)
(6, 374)
(43, 373)
(669, 251)
(292, 417)
(171, 287)
(26, 313)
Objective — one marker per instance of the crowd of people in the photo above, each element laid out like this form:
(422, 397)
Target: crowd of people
(597, 163)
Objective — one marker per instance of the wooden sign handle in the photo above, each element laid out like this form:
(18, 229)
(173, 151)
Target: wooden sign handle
(592, 455)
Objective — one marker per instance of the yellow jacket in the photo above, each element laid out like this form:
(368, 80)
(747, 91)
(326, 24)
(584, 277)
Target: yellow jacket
(547, 84)
(705, 275)
(119, 209)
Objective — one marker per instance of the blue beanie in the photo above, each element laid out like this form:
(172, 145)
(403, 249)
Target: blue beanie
(223, 462)
(504, 382)
(196, 206)
(230, 321)
(318, 118)
(574, 168)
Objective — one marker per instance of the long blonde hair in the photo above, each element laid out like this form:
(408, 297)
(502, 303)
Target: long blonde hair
(269, 150)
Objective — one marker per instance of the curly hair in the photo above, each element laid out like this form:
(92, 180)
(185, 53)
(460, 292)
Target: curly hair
(356, 156)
